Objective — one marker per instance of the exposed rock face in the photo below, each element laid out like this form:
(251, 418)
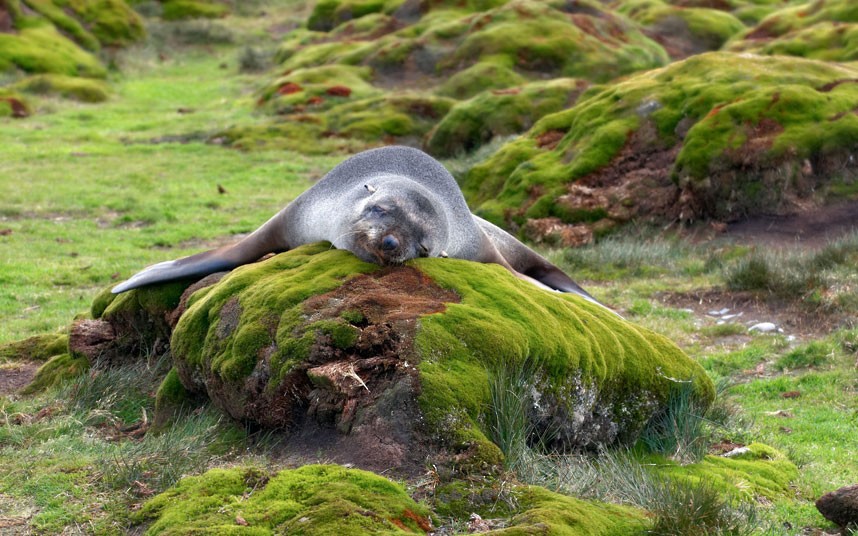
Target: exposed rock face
(364, 363)
(840, 506)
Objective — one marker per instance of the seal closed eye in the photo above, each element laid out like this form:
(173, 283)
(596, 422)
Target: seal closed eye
(386, 206)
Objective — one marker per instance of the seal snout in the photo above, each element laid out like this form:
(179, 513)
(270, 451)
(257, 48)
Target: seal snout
(389, 243)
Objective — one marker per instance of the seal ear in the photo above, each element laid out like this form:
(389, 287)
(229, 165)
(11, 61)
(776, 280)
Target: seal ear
(369, 188)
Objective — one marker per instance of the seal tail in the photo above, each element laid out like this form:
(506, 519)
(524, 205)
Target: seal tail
(266, 239)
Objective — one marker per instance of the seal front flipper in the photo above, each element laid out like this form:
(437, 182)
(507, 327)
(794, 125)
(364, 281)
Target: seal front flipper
(270, 238)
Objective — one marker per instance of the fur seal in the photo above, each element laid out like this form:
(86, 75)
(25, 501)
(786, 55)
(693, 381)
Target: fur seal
(386, 206)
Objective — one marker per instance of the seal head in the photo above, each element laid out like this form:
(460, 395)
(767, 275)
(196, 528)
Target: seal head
(397, 221)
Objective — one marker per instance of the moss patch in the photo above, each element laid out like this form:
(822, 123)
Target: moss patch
(193, 9)
(760, 472)
(172, 399)
(546, 511)
(315, 499)
(80, 89)
(43, 49)
(824, 30)
(57, 370)
(500, 113)
(36, 348)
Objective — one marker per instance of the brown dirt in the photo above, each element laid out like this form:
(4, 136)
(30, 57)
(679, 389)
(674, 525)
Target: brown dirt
(17, 375)
(811, 228)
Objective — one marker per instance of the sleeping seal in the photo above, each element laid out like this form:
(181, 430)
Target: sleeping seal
(386, 206)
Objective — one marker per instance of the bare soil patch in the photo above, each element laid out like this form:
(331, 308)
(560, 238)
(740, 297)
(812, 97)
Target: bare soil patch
(17, 375)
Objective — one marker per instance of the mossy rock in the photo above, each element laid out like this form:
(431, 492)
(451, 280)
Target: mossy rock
(402, 116)
(13, 105)
(36, 348)
(42, 49)
(57, 370)
(683, 30)
(824, 30)
(193, 9)
(480, 77)
(494, 113)
(128, 326)
(315, 338)
(80, 89)
(314, 499)
(735, 134)
(172, 400)
(317, 89)
(328, 14)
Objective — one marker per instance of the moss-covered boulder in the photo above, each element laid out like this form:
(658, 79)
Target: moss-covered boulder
(681, 29)
(362, 362)
(500, 112)
(717, 135)
(823, 30)
(70, 87)
(193, 9)
(314, 499)
(128, 326)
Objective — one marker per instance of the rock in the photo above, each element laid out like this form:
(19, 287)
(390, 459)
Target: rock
(840, 506)
(383, 366)
(764, 327)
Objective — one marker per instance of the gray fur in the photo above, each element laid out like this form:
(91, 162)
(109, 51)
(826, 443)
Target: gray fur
(373, 201)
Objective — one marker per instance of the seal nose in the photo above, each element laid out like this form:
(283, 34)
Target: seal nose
(389, 243)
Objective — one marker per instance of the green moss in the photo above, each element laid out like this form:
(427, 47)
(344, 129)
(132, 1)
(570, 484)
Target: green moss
(36, 348)
(342, 334)
(201, 344)
(193, 9)
(479, 77)
(751, 118)
(538, 37)
(102, 300)
(80, 89)
(760, 472)
(316, 89)
(581, 349)
(41, 49)
(691, 29)
(328, 14)
(315, 499)
(403, 115)
(172, 399)
(113, 22)
(57, 370)
(500, 113)
(544, 511)
(68, 25)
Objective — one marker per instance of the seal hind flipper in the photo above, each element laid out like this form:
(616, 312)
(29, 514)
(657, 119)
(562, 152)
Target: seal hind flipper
(529, 263)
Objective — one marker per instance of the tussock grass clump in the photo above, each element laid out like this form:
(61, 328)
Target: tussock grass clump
(679, 431)
(822, 279)
(160, 460)
(631, 256)
(510, 425)
(813, 354)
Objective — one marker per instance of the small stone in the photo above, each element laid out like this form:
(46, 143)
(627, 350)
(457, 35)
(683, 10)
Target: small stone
(840, 506)
(763, 327)
(736, 452)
